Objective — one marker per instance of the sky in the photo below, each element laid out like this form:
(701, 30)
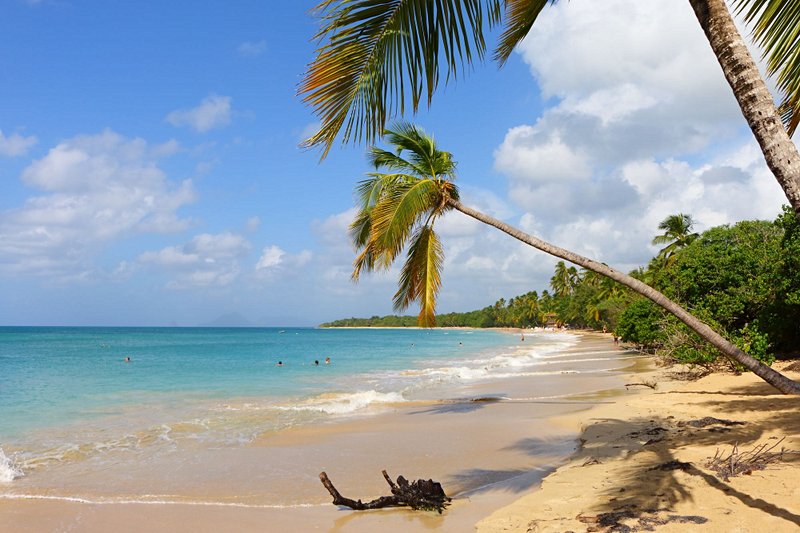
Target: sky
(151, 174)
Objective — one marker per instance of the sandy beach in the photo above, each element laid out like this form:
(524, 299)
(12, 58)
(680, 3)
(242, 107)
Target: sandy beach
(594, 445)
(643, 464)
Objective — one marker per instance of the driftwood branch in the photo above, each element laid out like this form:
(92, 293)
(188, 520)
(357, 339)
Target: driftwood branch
(422, 494)
(738, 462)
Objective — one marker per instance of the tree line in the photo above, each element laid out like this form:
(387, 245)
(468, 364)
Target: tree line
(743, 279)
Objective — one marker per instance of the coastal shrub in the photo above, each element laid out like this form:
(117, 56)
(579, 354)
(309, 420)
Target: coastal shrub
(640, 323)
(783, 314)
(728, 274)
(684, 346)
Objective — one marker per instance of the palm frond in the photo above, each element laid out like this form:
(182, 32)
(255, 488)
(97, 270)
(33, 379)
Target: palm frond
(520, 15)
(375, 55)
(397, 212)
(662, 239)
(365, 260)
(369, 191)
(421, 150)
(776, 28)
(384, 159)
(420, 279)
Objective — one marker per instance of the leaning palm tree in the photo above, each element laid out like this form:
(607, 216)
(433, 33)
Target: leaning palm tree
(377, 56)
(677, 235)
(399, 208)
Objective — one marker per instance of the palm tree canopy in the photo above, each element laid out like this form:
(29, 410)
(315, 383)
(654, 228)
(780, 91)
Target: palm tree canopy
(376, 57)
(776, 29)
(677, 234)
(398, 210)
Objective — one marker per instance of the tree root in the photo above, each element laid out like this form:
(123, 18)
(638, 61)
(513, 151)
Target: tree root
(426, 495)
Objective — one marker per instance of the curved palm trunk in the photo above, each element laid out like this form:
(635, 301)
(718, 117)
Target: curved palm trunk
(774, 378)
(752, 94)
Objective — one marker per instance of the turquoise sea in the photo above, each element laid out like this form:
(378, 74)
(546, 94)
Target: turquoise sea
(68, 396)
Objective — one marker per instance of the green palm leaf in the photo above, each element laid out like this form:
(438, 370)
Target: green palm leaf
(376, 54)
(776, 28)
(520, 15)
(420, 278)
(395, 215)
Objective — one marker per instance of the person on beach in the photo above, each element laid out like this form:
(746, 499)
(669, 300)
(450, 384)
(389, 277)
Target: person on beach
(616, 339)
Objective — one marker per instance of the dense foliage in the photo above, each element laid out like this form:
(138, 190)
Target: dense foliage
(744, 280)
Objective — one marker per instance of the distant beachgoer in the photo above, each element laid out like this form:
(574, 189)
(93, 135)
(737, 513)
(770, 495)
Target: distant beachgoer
(616, 339)
(522, 337)
(280, 363)
(461, 343)
(127, 359)
(327, 360)
(605, 330)
(316, 362)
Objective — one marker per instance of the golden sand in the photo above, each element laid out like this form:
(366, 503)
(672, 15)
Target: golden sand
(642, 466)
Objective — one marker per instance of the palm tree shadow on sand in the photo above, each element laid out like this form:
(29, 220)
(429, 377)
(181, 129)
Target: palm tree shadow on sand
(653, 480)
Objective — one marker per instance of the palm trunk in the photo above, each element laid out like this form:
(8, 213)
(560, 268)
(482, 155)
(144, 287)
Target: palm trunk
(774, 378)
(752, 94)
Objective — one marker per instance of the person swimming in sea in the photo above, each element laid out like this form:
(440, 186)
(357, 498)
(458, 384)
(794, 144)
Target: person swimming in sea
(327, 360)
(316, 362)
(127, 359)
(280, 363)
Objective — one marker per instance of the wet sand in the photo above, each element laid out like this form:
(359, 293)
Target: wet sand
(487, 454)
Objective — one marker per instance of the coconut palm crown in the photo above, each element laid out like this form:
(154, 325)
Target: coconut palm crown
(398, 209)
(677, 235)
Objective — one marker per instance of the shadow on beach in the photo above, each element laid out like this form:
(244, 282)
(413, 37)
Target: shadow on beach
(664, 459)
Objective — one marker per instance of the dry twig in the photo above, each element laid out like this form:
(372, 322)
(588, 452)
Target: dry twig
(736, 462)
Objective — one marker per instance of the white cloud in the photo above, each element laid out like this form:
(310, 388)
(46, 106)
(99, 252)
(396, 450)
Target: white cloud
(252, 48)
(95, 189)
(272, 256)
(206, 260)
(15, 145)
(642, 128)
(276, 261)
(213, 112)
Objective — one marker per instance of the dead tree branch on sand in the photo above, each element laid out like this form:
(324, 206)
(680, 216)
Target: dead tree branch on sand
(427, 495)
(737, 462)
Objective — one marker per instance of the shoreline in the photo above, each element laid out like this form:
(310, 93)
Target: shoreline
(485, 453)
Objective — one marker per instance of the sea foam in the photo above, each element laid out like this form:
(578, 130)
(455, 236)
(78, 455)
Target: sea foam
(339, 404)
(8, 472)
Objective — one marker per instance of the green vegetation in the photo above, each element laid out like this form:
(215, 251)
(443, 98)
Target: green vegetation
(744, 280)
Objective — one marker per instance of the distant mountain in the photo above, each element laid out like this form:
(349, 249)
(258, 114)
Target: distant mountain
(228, 320)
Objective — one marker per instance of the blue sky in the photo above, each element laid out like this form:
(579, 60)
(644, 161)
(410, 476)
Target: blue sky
(150, 172)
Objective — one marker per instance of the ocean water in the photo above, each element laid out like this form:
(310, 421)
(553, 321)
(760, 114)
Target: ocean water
(69, 403)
